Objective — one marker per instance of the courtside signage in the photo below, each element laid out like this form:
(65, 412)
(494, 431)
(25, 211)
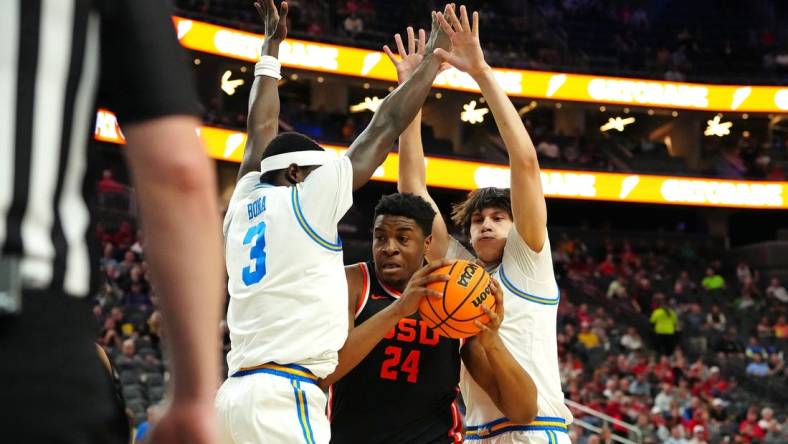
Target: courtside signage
(344, 60)
(227, 145)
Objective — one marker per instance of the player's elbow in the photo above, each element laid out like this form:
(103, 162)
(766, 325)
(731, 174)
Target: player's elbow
(186, 173)
(524, 412)
(525, 161)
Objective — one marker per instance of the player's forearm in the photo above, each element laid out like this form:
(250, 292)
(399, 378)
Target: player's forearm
(412, 171)
(177, 197)
(516, 389)
(360, 341)
(262, 123)
(518, 142)
(394, 115)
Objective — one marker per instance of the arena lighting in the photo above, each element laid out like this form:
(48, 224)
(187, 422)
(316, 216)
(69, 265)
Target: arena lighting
(616, 123)
(371, 65)
(527, 108)
(369, 104)
(717, 128)
(227, 145)
(229, 86)
(471, 114)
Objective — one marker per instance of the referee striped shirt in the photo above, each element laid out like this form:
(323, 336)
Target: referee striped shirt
(57, 58)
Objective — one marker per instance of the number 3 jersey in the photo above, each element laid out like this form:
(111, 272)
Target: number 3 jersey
(404, 390)
(288, 292)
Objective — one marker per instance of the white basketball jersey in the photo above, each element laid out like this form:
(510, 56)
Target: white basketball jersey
(288, 292)
(528, 330)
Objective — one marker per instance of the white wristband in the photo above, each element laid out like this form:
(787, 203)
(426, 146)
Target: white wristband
(268, 66)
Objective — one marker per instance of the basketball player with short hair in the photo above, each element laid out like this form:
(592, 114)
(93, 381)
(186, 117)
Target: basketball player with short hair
(508, 232)
(397, 379)
(287, 312)
(411, 374)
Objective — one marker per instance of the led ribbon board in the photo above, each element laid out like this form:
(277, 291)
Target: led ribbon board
(348, 61)
(227, 145)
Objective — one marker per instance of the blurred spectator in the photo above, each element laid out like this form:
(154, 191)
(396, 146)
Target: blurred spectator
(716, 319)
(777, 291)
(631, 340)
(743, 273)
(712, 281)
(665, 323)
(758, 367)
(617, 288)
(781, 328)
(755, 348)
(354, 24)
(749, 426)
(108, 184)
(588, 337)
(607, 268)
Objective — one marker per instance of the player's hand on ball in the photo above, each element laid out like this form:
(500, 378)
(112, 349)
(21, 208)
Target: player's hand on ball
(275, 21)
(489, 331)
(417, 289)
(466, 51)
(186, 423)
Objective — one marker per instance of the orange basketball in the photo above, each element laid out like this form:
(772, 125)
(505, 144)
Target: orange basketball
(467, 289)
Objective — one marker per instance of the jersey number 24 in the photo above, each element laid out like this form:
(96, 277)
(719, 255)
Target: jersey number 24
(255, 234)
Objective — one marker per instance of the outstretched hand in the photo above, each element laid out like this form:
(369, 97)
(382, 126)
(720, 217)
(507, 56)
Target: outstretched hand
(439, 39)
(275, 21)
(409, 60)
(466, 51)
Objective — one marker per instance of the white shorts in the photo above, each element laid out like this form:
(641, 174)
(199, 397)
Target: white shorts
(272, 407)
(544, 430)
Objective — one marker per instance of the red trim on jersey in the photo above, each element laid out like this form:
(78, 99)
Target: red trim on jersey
(392, 292)
(455, 433)
(329, 404)
(362, 300)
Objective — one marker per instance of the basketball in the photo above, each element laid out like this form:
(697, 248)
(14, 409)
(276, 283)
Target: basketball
(464, 294)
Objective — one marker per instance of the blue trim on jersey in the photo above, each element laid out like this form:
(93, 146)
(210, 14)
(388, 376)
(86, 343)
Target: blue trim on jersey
(306, 413)
(269, 371)
(263, 185)
(518, 428)
(307, 228)
(528, 297)
(548, 424)
(303, 416)
(505, 419)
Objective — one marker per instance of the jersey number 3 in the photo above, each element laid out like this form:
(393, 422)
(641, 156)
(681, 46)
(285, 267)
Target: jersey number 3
(256, 254)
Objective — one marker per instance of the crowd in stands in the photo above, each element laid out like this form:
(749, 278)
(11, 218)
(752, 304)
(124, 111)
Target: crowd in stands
(666, 338)
(658, 333)
(666, 39)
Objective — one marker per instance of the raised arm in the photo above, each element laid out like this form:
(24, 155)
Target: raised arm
(396, 111)
(528, 204)
(262, 123)
(412, 177)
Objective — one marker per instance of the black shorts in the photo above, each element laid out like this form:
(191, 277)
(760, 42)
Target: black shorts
(53, 388)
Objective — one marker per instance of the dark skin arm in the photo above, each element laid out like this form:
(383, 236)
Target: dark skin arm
(363, 338)
(262, 124)
(496, 371)
(396, 111)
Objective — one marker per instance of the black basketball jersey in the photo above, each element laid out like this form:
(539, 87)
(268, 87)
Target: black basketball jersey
(404, 391)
